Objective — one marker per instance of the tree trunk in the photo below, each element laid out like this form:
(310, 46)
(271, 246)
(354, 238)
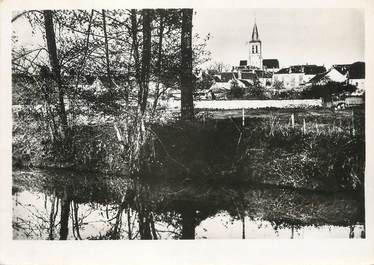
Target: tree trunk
(187, 110)
(146, 58)
(56, 70)
(159, 61)
(135, 45)
(188, 215)
(64, 221)
(106, 49)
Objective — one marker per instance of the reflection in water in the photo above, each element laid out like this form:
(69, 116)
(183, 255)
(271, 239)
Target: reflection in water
(61, 205)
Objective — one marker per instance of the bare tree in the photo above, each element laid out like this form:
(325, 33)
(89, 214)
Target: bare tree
(146, 58)
(106, 48)
(56, 69)
(187, 110)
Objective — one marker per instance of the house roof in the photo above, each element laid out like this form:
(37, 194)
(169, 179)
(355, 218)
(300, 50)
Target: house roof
(243, 62)
(226, 76)
(357, 70)
(263, 74)
(342, 68)
(314, 69)
(309, 69)
(270, 63)
(246, 83)
(332, 75)
(248, 75)
(317, 78)
(217, 78)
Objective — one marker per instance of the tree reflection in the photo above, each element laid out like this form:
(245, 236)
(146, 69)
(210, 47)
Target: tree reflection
(52, 215)
(91, 207)
(65, 211)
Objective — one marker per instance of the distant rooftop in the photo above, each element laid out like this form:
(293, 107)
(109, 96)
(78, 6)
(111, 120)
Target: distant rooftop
(308, 69)
(270, 63)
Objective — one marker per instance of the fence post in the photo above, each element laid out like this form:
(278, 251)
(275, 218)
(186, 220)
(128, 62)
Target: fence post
(293, 120)
(304, 126)
(353, 124)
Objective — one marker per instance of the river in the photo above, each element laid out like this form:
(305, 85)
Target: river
(60, 204)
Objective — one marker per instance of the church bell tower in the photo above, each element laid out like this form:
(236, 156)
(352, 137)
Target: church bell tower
(255, 55)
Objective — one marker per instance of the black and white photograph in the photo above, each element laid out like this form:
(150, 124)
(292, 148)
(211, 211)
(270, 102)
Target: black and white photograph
(188, 123)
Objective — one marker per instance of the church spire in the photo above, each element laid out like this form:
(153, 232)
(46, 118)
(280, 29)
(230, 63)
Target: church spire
(255, 32)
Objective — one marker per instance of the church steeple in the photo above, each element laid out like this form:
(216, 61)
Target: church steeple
(255, 45)
(255, 33)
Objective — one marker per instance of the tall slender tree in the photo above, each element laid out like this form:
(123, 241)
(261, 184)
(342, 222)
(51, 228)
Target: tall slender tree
(146, 58)
(56, 69)
(106, 48)
(187, 109)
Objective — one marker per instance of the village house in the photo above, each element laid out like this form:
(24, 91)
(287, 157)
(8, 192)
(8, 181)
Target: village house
(356, 75)
(270, 65)
(332, 75)
(353, 74)
(297, 75)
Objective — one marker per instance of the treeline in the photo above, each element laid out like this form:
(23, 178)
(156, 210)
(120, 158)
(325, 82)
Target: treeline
(326, 91)
(140, 47)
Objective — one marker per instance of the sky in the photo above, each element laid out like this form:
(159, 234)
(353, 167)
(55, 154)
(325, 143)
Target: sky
(293, 36)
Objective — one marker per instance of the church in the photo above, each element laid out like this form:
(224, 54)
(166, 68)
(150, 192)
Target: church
(256, 67)
(255, 60)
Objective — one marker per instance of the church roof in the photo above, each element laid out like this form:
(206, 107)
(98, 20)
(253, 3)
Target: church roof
(270, 63)
(255, 33)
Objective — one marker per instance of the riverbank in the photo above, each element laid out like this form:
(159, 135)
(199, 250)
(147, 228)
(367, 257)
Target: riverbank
(315, 150)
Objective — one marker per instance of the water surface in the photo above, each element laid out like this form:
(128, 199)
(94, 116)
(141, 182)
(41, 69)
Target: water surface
(68, 205)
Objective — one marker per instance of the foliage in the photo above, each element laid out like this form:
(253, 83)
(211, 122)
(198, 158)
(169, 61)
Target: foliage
(217, 68)
(278, 85)
(255, 91)
(286, 94)
(328, 90)
(204, 82)
(104, 64)
(236, 91)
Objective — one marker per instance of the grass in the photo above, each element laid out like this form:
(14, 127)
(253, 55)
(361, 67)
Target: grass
(327, 153)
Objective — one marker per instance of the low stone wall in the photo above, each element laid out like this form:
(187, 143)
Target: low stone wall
(250, 104)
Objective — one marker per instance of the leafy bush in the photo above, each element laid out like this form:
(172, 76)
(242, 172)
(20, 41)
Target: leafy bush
(328, 90)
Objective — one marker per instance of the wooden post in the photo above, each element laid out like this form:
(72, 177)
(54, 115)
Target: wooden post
(293, 120)
(353, 124)
(243, 226)
(292, 231)
(243, 118)
(304, 126)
